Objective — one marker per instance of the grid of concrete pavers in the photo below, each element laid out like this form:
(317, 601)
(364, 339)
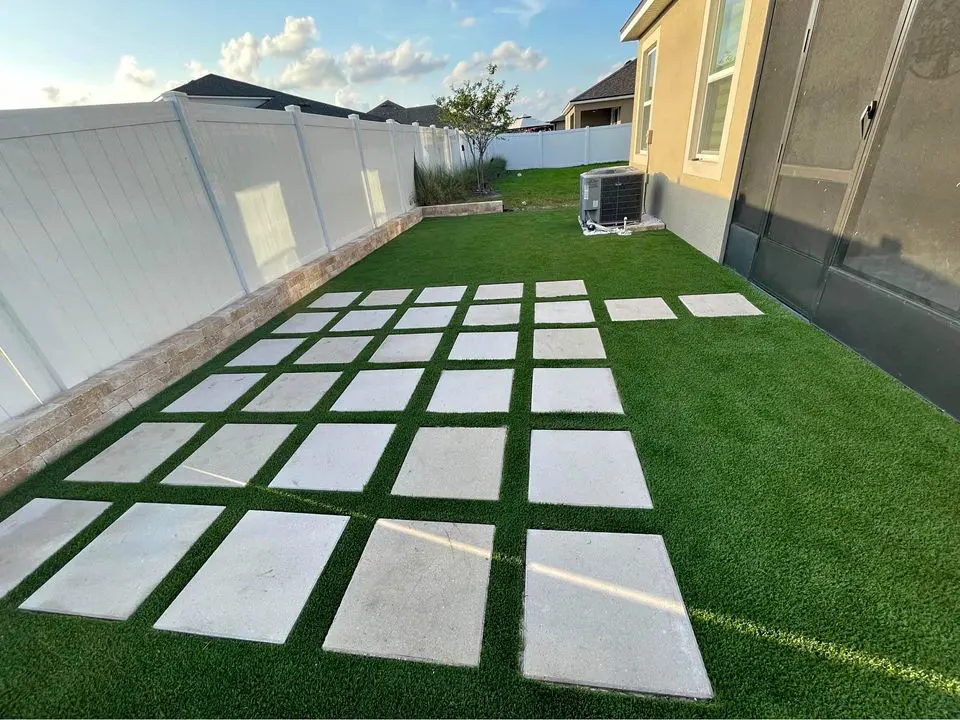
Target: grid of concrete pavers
(601, 609)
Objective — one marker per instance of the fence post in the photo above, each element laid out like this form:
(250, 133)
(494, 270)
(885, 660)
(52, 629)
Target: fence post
(308, 166)
(541, 147)
(392, 127)
(586, 146)
(418, 145)
(433, 134)
(355, 119)
(178, 101)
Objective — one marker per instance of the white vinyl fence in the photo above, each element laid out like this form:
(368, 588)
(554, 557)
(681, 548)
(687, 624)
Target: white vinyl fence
(122, 224)
(563, 148)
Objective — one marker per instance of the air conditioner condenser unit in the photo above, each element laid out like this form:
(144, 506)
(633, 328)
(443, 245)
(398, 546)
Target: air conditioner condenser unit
(611, 198)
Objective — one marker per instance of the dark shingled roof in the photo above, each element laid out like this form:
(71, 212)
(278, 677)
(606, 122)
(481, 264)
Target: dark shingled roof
(619, 82)
(219, 86)
(424, 114)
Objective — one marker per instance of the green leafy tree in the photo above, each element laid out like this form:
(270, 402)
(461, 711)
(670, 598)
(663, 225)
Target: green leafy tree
(481, 110)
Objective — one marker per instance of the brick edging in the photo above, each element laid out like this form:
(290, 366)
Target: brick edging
(38, 437)
(457, 209)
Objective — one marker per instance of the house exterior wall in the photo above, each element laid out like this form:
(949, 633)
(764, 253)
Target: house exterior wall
(575, 115)
(693, 196)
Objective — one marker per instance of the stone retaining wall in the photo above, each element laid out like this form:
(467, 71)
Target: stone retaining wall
(38, 437)
(457, 209)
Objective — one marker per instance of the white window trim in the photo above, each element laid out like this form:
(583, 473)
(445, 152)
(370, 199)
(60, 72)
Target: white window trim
(648, 43)
(709, 165)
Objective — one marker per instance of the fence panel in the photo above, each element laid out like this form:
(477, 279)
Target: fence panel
(255, 168)
(385, 193)
(564, 148)
(609, 143)
(338, 175)
(107, 243)
(407, 140)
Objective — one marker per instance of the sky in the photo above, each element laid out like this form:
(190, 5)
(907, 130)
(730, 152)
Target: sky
(354, 53)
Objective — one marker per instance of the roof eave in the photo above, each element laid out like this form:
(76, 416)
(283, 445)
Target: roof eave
(605, 98)
(640, 20)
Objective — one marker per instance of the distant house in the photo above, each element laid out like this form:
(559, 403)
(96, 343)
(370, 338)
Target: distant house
(423, 114)
(527, 123)
(559, 123)
(226, 91)
(609, 102)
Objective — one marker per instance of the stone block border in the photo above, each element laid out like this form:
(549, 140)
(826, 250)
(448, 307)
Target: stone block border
(458, 209)
(38, 437)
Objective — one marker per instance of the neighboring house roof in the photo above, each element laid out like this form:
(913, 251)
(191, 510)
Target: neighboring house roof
(424, 114)
(619, 83)
(526, 122)
(218, 86)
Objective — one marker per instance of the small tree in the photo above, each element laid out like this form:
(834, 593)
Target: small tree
(481, 110)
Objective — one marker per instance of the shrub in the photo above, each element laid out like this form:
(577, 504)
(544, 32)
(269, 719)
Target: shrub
(496, 167)
(439, 186)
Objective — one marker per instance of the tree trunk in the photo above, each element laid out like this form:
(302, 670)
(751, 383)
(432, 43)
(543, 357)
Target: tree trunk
(480, 178)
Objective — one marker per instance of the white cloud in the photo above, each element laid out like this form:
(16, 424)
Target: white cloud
(543, 104)
(404, 62)
(128, 71)
(506, 56)
(347, 97)
(298, 33)
(195, 69)
(240, 57)
(523, 10)
(316, 69)
(468, 22)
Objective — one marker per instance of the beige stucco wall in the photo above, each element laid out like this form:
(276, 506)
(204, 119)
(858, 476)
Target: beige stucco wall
(687, 184)
(575, 121)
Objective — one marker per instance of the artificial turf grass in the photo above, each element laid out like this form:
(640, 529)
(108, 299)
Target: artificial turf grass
(796, 487)
(539, 188)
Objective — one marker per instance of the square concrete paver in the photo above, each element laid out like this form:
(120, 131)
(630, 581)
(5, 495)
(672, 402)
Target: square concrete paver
(426, 317)
(385, 297)
(560, 288)
(363, 320)
(305, 323)
(257, 581)
(334, 350)
(499, 291)
(452, 293)
(627, 309)
(604, 610)
(266, 352)
(335, 456)
(30, 536)
(135, 455)
(485, 346)
(719, 305)
(577, 390)
(335, 300)
(472, 391)
(453, 462)
(568, 344)
(214, 394)
(116, 572)
(231, 457)
(414, 347)
(599, 468)
(563, 312)
(419, 593)
(374, 390)
(497, 314)
(293, 392)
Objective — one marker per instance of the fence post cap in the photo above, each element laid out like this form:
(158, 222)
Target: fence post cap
(170, 95)
(292, 109)
(415, 123)
(391, 121)
(432, 126)
(353, 116)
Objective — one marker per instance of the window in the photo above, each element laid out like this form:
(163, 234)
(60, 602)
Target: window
(615, 115)
(721, 62)
(647, 74)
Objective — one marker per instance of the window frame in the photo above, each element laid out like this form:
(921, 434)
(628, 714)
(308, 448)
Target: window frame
(697, 162)
(648, 44)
